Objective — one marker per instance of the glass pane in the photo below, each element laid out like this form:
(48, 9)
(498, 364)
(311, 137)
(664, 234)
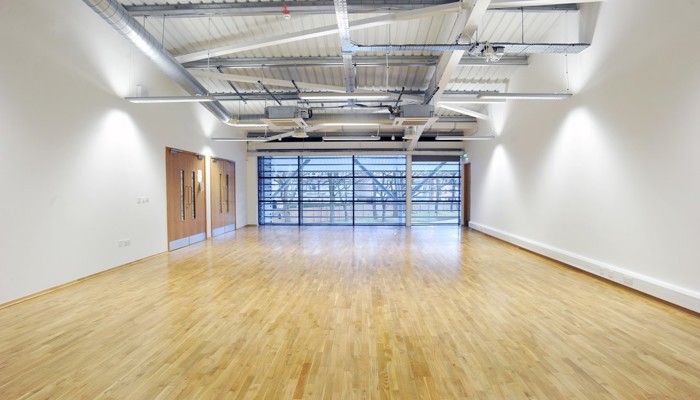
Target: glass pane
(380, 166)
(435, 189)
(433, 169)
(221, 194)
(315, 166)
(329, 189)
(279, 213)
(435, 192)
(182, 195)
(327, 213)
(379, 188)
(281, 189)
(380, 213)
(278, 166)
(194, 196)
(435, 213)
(226, 195)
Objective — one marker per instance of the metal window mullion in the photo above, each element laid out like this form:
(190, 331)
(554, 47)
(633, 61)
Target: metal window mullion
(459, 193)
(261, 185)
(353, 190)
(300, 210)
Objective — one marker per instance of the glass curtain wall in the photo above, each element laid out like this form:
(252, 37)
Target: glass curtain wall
(342, 190)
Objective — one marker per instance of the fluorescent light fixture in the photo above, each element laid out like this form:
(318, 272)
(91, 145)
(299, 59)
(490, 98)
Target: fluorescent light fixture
(469, 100)
(243, 139)
(344, 96)
(349, 138)
(525, 96)
(171, 99)
(463, 137)
(251, 125)
(351, 124)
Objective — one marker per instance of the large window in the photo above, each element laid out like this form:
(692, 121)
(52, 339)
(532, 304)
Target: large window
(380, 190)
(435, 190)
(326, 190)
(278, 190)
(356, 190)
(346, 190)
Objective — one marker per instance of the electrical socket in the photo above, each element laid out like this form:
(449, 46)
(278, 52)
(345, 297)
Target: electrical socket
(124, 243)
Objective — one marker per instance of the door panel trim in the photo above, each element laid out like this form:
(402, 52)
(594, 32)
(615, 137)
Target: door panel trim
(198, 237)
(179, 243)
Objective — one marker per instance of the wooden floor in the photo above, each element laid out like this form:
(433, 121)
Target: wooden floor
(347, 313)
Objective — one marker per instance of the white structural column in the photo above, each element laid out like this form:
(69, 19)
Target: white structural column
(409, 188)
(317, 32)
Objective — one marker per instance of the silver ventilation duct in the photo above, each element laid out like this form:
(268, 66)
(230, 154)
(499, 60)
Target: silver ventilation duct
(115, 14)
(475, 48)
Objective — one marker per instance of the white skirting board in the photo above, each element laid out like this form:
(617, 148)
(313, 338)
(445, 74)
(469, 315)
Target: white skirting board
(663, 290)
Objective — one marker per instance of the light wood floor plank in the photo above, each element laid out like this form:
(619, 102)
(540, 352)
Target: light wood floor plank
(347, 313)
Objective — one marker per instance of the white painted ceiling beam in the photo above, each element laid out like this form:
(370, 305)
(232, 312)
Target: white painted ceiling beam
(467, 22)
(496, 4)
(318, 32)
(464, 111)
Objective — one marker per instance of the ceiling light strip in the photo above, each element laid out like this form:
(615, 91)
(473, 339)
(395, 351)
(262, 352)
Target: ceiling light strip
(350, 138)
(455, 138)
(171, 99)
(525, 96)
(244, 139)
(345, 96)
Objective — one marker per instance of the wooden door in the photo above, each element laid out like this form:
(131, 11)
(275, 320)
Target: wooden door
(223, 196)
(186, 198)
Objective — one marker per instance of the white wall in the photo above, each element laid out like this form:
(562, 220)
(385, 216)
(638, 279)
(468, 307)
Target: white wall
(75, 156)
(608, 180)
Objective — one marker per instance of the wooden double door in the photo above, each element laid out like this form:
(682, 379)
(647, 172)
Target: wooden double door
(223, 196)
(186, 191)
